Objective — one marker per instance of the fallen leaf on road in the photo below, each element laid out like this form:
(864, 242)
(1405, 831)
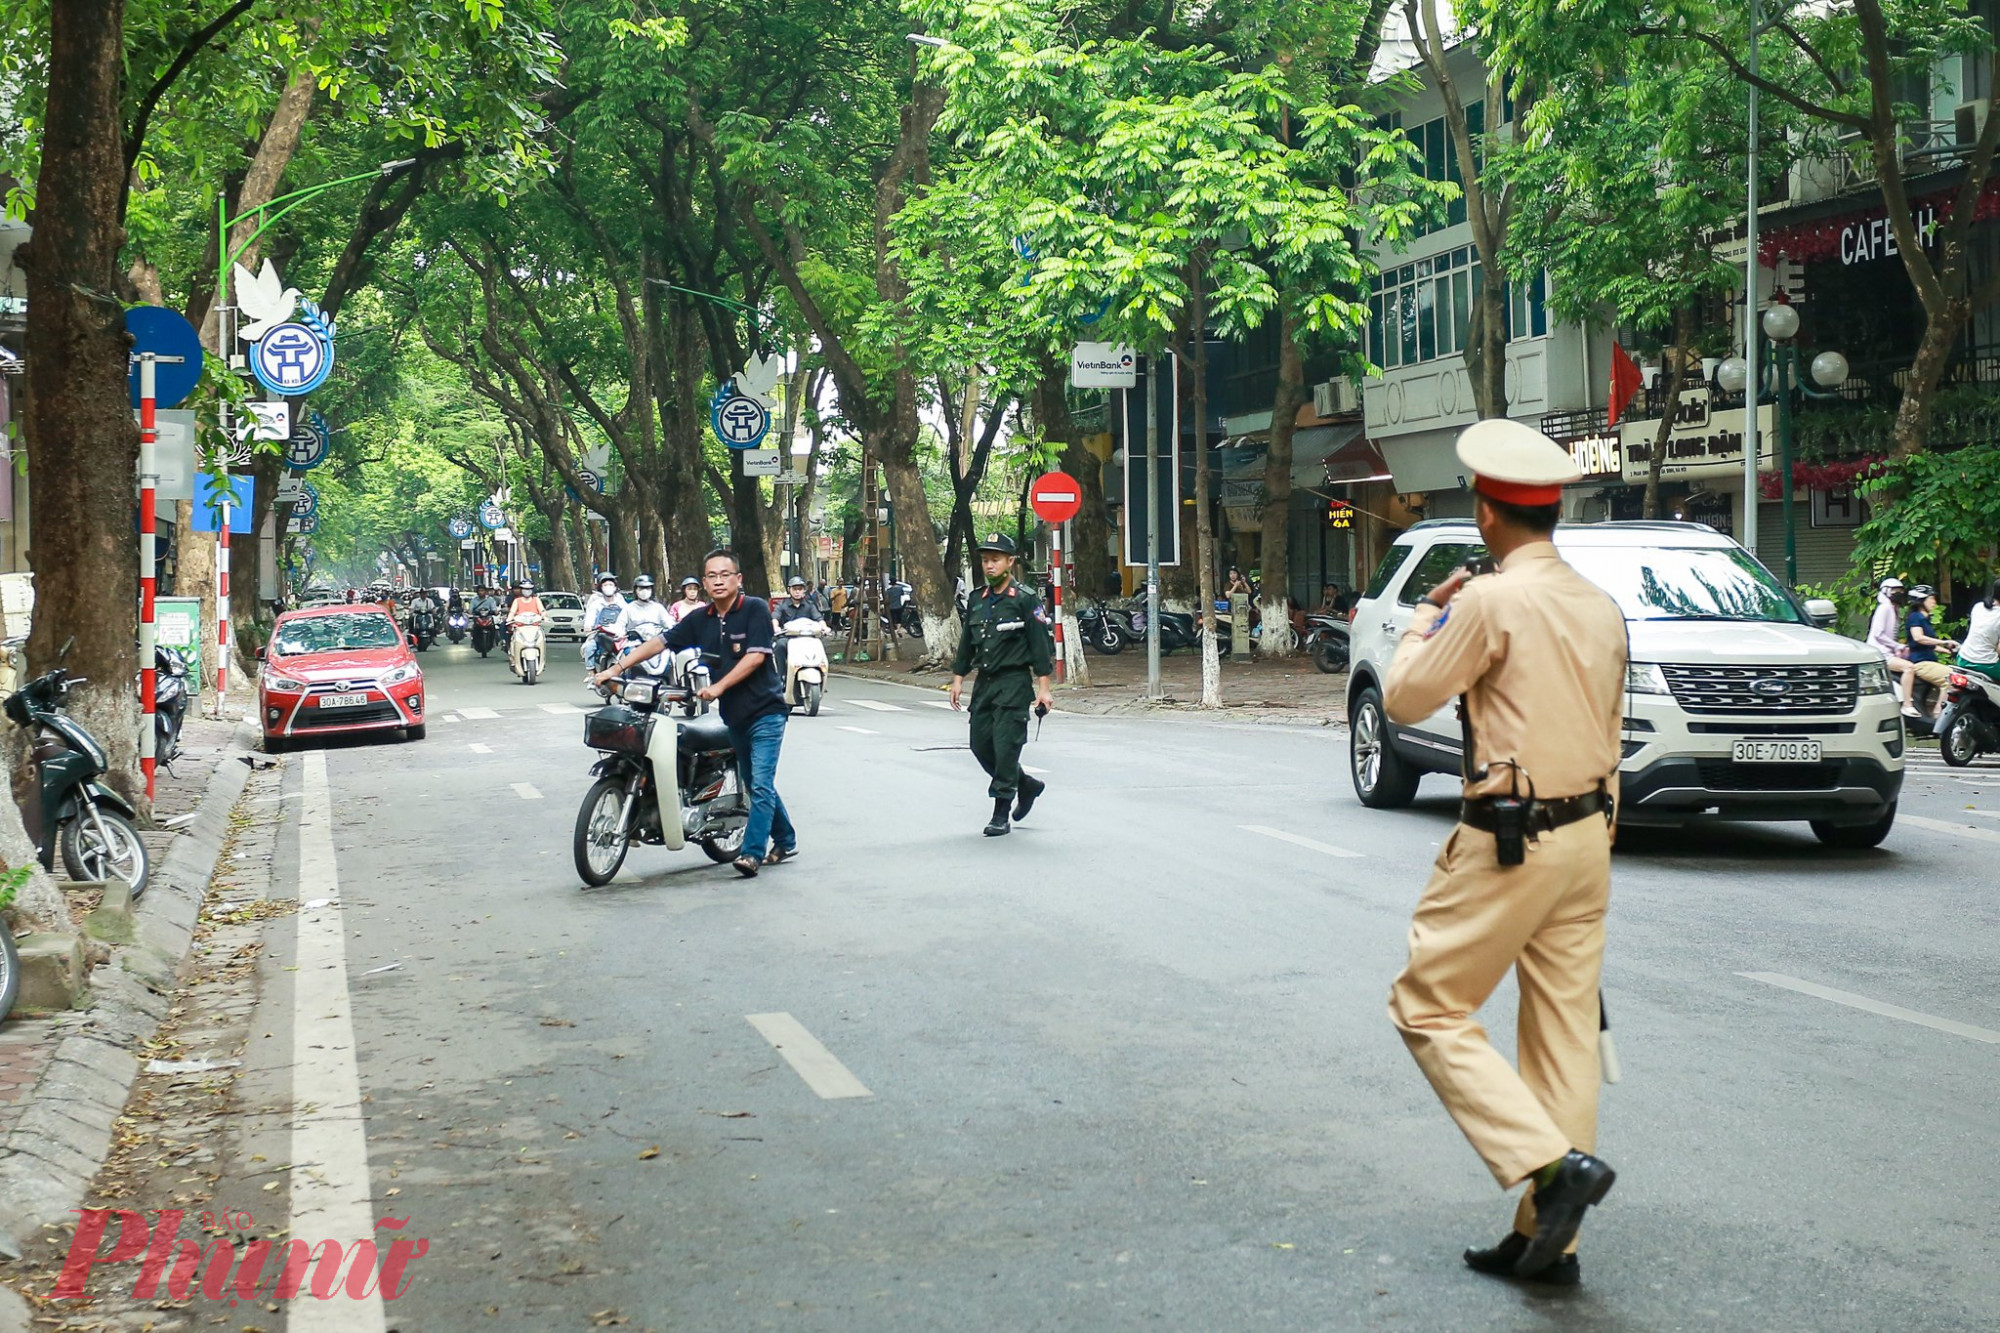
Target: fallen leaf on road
(650, 1153)
(557, 1023)
(271, 1186)
(394, 1191)
(733, 1115)
(1282, 1245)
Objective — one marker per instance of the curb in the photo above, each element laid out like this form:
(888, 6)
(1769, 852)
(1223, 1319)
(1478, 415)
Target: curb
(56, 1148)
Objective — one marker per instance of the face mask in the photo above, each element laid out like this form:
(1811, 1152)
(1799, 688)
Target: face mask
(996, 580)
(643, 594)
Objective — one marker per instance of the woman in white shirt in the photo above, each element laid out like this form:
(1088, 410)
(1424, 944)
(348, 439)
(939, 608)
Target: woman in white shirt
(1981, 650)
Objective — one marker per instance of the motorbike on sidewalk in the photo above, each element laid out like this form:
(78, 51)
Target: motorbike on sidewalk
(92, 823)
(528, 648)
(455, 626)
(1103, 628)
(1969, 724)
(485, 632)
(170, 703)
(661, 781)
(1328, 640)
(805, 664)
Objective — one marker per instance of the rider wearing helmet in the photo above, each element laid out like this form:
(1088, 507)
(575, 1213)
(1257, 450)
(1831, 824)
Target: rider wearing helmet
(526, 608)
(1924, 645)
(690, 600)
(643, 615)
(794, 607)
(601, 612)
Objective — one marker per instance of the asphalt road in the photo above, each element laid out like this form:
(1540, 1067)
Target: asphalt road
(1126, 1067)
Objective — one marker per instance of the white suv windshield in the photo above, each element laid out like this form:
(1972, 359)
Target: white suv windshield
(1687, 583)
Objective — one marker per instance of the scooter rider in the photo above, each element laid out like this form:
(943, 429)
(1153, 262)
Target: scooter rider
(643, 615)
(794, 607)
(423, 604)
(526, 608)
(690, 600)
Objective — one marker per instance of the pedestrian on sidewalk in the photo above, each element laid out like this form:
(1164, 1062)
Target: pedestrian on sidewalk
(1005, 634)
(735, 630)
(1536, 655)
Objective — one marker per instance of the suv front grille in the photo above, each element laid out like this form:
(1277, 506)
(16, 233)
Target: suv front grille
(1722, 775)
(1764, 689)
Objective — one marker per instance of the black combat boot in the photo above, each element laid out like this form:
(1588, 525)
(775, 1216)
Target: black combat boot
(1024, 800)
(997, 825)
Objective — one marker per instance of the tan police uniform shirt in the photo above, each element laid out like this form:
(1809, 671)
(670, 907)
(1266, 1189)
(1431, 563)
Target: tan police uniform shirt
(1539, 651)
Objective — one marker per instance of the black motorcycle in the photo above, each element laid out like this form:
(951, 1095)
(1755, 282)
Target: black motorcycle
(485, 632)
(662, 780)
(1969, 724)
(170, 703)
(1329, 641)
(455, 626)
(93, 823)
(424, 628)
(1103, 629)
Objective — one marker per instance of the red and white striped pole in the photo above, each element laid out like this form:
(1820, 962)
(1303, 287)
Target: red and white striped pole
(149, 480)
(1056, 566)
(222, 596)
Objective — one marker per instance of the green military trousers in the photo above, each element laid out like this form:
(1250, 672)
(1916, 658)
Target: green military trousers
(1000, 706)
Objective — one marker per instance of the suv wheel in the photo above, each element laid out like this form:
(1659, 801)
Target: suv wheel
(1382, 778)
(1855, 837)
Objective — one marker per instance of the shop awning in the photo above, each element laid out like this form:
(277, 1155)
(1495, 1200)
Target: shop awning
(1352, 458)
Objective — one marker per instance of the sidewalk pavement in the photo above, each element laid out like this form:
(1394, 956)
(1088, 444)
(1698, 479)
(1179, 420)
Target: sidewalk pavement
(64, 1078)
(1284, 690)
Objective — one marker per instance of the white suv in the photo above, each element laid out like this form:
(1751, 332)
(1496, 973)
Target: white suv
(1738, 706)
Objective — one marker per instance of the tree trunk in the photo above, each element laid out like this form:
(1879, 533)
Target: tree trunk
(83, 450)
(267, 168)
(1275, 545)
(1684, 342)
(561, 559)
(1486, 349)
(1913, 414)
(917, 548)
(1204, 524)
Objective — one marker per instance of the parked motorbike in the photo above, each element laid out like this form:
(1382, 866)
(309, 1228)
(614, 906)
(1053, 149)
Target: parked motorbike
(662, 781)
(528, 637)
(1969, 725)
(423, 629)
(1104, 628)
(455, 626)
(485, 632)
(805, 664)
(93, 823)
(170, 703)
(1327, 639)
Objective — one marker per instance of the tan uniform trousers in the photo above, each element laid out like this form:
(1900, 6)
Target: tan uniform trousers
(1544, 919)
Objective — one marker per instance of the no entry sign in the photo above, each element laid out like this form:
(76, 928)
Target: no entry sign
(1055, 497)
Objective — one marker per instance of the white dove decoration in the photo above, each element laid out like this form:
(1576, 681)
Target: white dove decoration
(759, 376)
(264, 300)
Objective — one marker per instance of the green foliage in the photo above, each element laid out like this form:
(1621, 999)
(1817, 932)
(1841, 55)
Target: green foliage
(1943, 515)
(11, 883)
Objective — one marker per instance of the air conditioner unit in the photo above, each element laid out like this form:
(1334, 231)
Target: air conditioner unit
(1332, 397)
(1969, 118)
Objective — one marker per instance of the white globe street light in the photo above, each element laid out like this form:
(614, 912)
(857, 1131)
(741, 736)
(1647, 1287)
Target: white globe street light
(1781, 323)
(1731, 376)
(1829, 370)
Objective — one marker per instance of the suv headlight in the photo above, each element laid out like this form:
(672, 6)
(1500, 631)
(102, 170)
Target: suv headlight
(278, 684)
(1645, 678)
(1875, 678)
(397, 675)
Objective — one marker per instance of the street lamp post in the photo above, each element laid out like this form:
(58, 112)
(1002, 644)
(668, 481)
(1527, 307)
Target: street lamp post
(1828, 370)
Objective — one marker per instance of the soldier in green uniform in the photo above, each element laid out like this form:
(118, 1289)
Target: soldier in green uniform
(1006, 636)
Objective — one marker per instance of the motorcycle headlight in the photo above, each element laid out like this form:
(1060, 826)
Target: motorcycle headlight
(1875, 678)
(282, 684)
(638, 692)
(1645, 678)
(397, 675)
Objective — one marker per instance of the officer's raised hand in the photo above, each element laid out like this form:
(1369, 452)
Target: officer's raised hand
(1447, 590)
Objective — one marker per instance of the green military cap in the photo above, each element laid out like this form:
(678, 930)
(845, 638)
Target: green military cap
(997, 541)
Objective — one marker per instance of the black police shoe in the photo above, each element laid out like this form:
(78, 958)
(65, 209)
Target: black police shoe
(1024, 800)
(1500, 1261)
(1581, 1180)
(998, 824)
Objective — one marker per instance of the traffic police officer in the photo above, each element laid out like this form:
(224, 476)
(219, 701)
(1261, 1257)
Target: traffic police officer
(1006, 636)
(1536, 655)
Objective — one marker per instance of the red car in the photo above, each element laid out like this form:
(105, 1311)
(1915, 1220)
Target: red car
(334, 669)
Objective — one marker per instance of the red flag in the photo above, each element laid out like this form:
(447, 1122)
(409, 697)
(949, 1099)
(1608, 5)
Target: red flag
(1625, 381)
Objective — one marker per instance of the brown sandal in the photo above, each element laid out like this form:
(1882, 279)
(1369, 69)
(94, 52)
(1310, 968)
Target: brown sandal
(746, 866)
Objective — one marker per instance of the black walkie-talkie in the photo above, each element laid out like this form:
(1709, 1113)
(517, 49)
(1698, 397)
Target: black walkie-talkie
(1510, 821)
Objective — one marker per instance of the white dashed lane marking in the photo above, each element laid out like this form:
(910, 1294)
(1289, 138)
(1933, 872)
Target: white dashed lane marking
(526, 791)
(1941, 826)
(1324, 848)
(938, 703)
(861, 731)
(1862, 1002)
(561, 710)
(480, 749)
(877, 706)
(811, 1061)
(479, 714)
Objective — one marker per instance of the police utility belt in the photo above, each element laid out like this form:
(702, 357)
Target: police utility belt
(1514, 819)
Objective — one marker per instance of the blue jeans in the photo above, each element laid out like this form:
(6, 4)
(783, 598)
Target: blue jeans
(757, 747)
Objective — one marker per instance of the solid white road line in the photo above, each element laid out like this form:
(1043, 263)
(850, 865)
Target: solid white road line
(809, 1060)
(1325, 848)
(480, 749)
(526, 791)
(1854, 1001)
(861, 731)
(478, 713)
(1940, 826)
(331, 1195)
(877, 706)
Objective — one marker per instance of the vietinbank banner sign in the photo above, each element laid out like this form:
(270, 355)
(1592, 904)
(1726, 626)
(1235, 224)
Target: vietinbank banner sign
(1103, 366)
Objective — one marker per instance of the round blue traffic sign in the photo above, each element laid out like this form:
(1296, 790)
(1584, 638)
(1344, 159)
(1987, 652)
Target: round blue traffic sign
(292, 359)
(459, 527)
(310, 443)
(164, 333)
(307, 503)
(492, 517)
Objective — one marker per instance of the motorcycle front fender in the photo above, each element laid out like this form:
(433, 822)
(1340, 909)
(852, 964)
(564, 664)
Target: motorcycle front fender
(103, 795)
(661, 753)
